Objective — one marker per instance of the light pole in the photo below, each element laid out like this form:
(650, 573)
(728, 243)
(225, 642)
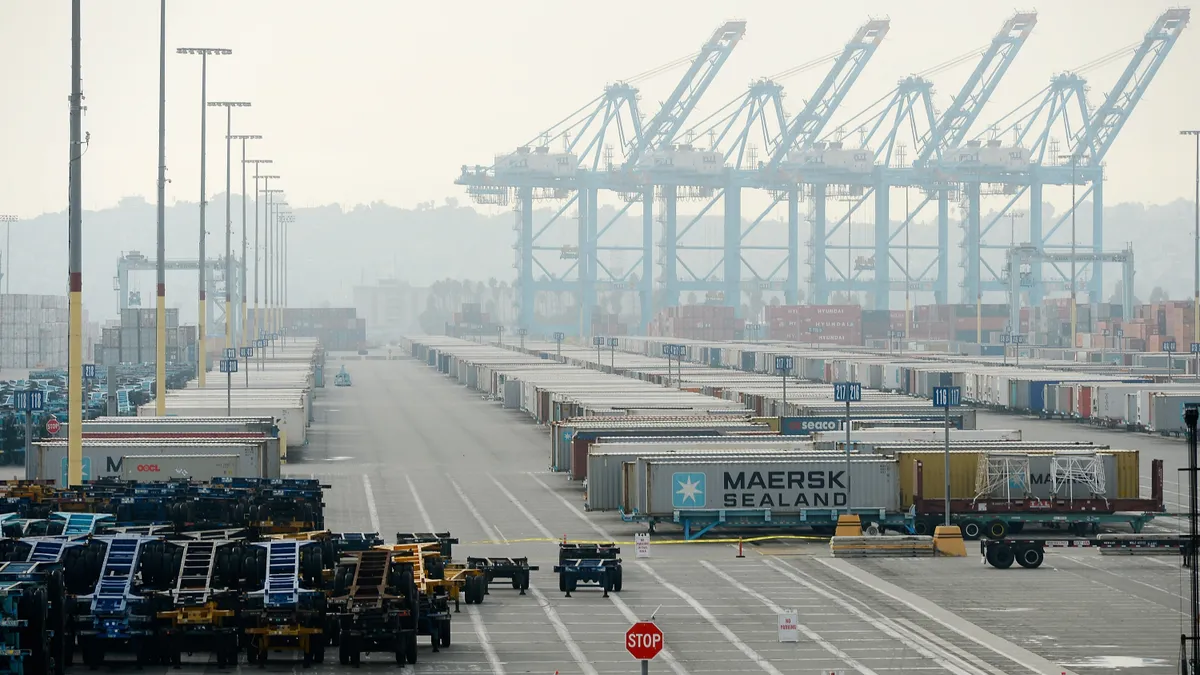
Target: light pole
(279, 209)
(202, 328)
(257, 318)
(1196, 241)
(245, 198)
(228, 106)
(268, 216)
(285, 220)
(160, 298)
(8, 221)
(75, 260)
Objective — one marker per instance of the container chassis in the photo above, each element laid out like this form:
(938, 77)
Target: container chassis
(515, 570)
(375, 606)
(1030, 553)
(287, 611)
(997, 518)
(588, 564)
(34, 630)
(698, 522)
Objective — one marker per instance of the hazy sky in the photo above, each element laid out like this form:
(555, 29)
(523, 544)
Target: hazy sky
(373, 100)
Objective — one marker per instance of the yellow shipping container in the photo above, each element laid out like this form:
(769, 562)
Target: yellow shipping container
(964, 467)
(772, 422)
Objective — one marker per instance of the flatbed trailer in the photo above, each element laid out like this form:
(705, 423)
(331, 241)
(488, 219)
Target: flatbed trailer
(997, 518)
(698, 522)
(596, 564)
(444, 541)
(1030, 553)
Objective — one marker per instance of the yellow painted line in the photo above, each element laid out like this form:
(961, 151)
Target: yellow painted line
(723, 540)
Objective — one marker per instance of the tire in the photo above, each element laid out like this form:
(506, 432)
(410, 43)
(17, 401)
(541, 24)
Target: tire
(1001, 556)
(344, 652)
(444, 634)
(562, 583)
(1031, 557)
(997, 529)
(1015, 528)
(410, 651)
(617, 580)
(972, 530)
(921, 527)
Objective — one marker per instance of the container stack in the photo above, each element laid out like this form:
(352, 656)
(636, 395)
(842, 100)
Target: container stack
(135, 340)
(33, 331)
(336, 328)
(817, 324)
(698, 322)
(608, 324)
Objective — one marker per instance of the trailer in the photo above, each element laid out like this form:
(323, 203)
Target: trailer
(374, 607)
(33, 620)
(997, 518)
(120, 610)
(204, 599)
(1031, 553)
(286, 611)
(596, 564)
(515, 570)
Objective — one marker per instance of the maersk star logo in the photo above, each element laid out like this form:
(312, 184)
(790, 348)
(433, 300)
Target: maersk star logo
(688, 490)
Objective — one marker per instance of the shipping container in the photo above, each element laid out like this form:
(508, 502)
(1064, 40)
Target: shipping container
(102, 458)
(782, 487)
(200, 468)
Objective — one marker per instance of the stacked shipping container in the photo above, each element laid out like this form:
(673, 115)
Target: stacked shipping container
(135, 340)
(817, 324)
(33, 331)
(337, 328)
(698, 322)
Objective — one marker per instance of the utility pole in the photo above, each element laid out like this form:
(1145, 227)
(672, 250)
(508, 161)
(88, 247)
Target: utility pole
(160, 298)
(269, 197)
(202, 328)
(285, 221)
(75, 272)
(228, 106)
(244, 342)
(258, 328)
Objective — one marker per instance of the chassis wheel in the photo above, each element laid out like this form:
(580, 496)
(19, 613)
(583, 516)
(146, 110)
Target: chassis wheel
(1030, 557)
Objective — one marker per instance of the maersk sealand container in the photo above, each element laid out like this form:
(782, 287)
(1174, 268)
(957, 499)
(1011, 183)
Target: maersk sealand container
(781, 486)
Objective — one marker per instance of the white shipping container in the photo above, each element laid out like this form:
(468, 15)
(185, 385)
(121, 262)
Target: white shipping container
(201, 468)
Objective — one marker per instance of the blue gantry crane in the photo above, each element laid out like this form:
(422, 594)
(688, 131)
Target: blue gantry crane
(759, 111)
(909, 113)
(592, 137)
(1061, 107)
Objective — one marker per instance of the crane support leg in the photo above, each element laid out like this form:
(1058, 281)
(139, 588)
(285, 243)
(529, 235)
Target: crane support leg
(820, 285)
(791, 293)
(883, 230)
(733, 248)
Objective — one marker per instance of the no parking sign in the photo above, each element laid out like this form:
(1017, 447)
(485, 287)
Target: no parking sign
(641, 541)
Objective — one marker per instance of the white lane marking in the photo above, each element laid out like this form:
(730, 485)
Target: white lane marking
(484, 640)
(487, 529)
(563, 633)
(420, 505)
(808, 632)
(885, 626)
(502, 537)
(882, 591)
(1127, 578)
(628, 613)
(948, 646)
(707, 616)
(371, 510)
(599, 530)
(524, 511)
(665, 654)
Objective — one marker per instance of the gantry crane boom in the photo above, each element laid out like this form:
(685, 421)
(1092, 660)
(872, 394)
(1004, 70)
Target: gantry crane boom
(662, 129)
(954, 123)
(1097, 137)
(807, 125)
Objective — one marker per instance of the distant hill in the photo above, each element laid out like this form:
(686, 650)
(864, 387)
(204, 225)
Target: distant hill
(334, 249)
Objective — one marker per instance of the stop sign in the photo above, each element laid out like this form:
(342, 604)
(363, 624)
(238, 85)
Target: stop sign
(644, 640)
(52, 425)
